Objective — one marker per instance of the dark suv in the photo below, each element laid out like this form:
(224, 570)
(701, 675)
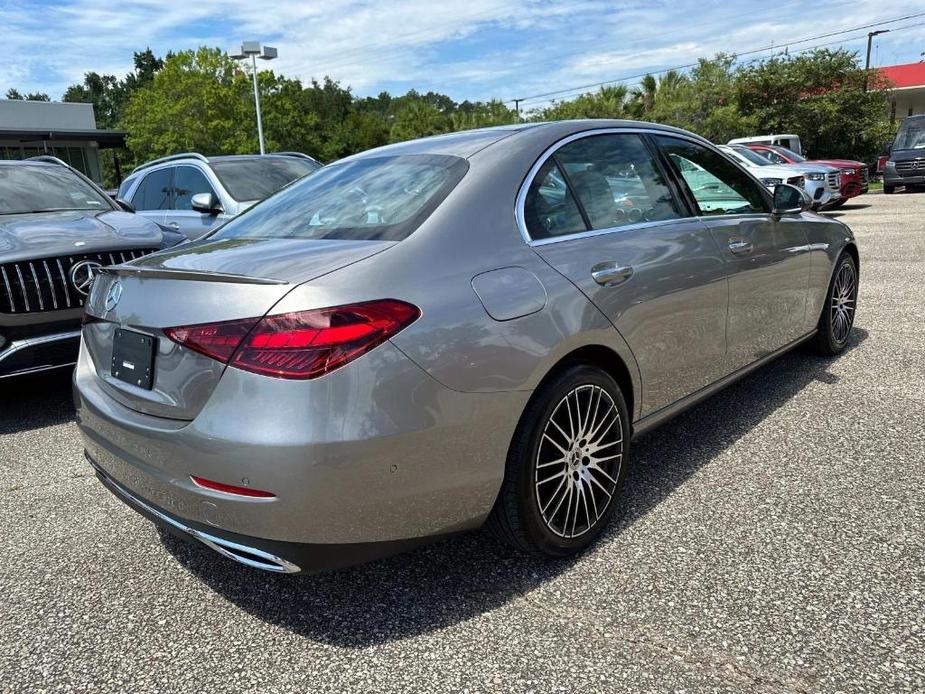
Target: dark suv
(57, 228)
(906, 165)
(192, 194)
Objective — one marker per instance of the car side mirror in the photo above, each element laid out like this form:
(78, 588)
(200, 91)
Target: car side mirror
(125, 205)
(207, 203)
(790, 200)
(888, 148)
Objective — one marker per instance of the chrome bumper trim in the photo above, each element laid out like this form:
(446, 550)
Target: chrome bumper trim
(258, 559)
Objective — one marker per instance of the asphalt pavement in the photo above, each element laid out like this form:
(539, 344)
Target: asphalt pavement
(771, 539)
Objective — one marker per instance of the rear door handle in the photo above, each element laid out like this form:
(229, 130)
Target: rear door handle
(610, 274)
(741, 246)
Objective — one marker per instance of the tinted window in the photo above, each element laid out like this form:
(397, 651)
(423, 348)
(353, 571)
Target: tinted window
(771, 156)
(123, 188)
(718, 185)
(188, 182)
(256, 179)
(550, 208)
(42, 188)
(911, 134)
(790, 154)
(750, 155)
(616, 181)
(154, 191)
(373, 198)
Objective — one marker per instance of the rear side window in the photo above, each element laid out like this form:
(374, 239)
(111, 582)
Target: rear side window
(154, 191)
(718, 185)
(188, 182)
(374, 198)
(598, 182)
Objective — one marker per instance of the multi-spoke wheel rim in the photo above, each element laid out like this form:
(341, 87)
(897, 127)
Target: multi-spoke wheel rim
(844, 297)
(578, 461)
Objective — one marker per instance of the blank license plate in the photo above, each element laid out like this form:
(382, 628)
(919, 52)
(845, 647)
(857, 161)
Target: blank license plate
(133, 358)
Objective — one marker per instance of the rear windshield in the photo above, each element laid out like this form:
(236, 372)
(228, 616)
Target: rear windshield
(45, 188)
(256, 179)
(911, 134)
(374, 198)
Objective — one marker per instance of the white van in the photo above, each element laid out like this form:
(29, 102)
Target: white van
(791, 142)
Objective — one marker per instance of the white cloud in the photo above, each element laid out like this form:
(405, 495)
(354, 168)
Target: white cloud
(475, 49)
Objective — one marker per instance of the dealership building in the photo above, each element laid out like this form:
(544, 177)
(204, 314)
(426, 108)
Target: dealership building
(908, 90)
(65, 130)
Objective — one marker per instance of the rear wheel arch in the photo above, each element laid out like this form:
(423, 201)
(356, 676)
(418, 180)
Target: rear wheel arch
(852, 249)
(607, 360)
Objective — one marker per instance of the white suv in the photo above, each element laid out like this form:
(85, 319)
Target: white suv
(192, 194)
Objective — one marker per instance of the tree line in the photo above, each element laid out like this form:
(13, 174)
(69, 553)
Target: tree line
(202, 100)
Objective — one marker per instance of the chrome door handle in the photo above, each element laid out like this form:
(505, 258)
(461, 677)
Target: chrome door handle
(610, 274)
(173, 225)
(741, 246)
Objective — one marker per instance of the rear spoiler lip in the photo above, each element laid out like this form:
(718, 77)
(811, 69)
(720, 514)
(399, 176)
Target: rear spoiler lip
(196, 275)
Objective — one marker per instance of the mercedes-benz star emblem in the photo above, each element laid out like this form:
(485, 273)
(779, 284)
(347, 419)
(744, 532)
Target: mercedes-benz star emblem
(113, 295)
(83, 274)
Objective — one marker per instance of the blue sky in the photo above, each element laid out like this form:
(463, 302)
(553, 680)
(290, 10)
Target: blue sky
(476, 49)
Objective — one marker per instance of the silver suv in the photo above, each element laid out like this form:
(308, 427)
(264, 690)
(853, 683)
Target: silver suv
(192, 194)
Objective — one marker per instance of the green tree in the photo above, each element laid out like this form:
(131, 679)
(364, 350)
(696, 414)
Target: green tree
(820, 96)
(14, 94)
(607, 102)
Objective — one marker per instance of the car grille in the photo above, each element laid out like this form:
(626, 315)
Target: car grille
(46, 284)
(833, 181)
(798, 181)
(911, 168)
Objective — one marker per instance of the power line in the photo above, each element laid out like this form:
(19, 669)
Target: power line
(593, 85)
(859, 37)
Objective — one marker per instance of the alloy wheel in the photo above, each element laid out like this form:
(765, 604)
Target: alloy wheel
(843, 300)
(578, 461)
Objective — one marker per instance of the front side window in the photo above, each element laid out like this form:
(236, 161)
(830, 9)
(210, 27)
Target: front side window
(46, 188)
(154, 191)
(373, 198)
(188, 182)
(717, 185)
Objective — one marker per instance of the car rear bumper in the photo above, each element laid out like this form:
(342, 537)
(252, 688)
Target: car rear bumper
(353, 458)
(258, 553)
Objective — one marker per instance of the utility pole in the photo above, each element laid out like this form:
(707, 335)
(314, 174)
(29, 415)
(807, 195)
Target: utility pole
(517, 108)
(870, 38)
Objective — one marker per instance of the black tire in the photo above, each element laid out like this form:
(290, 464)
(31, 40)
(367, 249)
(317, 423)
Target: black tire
(834, 333)
(517, 517)
(888, 190)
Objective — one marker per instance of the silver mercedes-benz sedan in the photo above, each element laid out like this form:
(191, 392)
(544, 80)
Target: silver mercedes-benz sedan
(438, 335)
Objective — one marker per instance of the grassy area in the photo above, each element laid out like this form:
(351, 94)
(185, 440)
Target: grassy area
(875, 185)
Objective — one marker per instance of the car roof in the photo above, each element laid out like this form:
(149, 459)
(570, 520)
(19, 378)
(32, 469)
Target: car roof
(467, 143)
(193, 157)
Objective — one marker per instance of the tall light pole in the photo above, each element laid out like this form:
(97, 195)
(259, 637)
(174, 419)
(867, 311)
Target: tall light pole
(253, 50)
(870, 38)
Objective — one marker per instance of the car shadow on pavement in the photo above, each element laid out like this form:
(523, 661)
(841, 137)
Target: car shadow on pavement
(465, 576)
(33, 402)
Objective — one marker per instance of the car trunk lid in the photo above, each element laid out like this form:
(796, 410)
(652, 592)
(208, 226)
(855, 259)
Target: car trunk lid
(203, 282)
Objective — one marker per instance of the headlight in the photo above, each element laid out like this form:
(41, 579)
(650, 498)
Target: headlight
(849, 172)
(772, 181)
(890, 164)
(816, 176)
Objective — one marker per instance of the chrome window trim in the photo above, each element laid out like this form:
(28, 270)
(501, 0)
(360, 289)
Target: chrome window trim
(520, 218)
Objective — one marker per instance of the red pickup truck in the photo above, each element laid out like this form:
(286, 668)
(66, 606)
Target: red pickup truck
(854, 174)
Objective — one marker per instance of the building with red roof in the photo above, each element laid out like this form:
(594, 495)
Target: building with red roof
(908, 98)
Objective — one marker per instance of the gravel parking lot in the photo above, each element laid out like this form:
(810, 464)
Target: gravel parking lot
(773, 539)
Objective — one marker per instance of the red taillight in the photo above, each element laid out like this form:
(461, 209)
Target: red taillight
(231, 489)
(305, 344)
